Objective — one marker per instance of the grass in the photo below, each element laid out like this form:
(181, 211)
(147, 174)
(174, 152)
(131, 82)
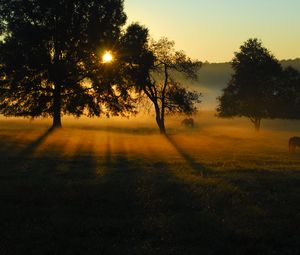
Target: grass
(117, 189)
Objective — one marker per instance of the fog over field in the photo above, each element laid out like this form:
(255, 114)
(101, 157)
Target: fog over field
(213, 77)
(213, 143)
(106, 181)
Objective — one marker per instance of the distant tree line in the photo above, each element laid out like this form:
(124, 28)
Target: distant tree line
(50, 62)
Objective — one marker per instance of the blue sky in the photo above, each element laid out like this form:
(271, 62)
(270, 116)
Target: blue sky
(213, 29)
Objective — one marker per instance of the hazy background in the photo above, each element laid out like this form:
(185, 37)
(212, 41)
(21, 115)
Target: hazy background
(213, 29)
(213, 77)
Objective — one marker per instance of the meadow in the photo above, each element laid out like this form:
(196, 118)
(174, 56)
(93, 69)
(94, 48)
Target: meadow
(119, 187)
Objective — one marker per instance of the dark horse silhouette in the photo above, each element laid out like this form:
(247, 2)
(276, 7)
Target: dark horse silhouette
(188, 122)
(293, 143)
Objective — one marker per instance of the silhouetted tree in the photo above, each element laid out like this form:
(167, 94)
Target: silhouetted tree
(153, 68)
(253, 85)
(287, 97)
(50, 58)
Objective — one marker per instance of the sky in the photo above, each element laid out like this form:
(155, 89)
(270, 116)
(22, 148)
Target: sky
(212, 30)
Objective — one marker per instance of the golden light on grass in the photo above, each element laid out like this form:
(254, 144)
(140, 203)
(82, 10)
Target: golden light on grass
(107, 57)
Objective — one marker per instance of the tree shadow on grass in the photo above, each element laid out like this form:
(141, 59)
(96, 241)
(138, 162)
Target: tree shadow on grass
(175, 217)
(32, 147)
(82, 165)
(144, 209)
(59, 202)
(188, 158)
(15, 160)
(136, 207)
(9, 144)
(121, 130)
(107, 155)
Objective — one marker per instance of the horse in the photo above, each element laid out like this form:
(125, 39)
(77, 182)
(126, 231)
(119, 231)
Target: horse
(188, 122)
(293, 143)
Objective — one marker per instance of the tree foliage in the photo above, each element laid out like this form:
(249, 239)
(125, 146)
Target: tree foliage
(50, 58)
(153, 69)
(286, 103)
(253, 87)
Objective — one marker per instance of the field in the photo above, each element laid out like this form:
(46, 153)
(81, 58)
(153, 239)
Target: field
(119, 187)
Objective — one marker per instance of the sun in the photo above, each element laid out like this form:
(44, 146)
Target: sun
(107, 57)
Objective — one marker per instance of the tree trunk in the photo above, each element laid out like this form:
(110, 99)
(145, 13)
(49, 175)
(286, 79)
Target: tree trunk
(159, 120)
(163, 95)
(257, 124)
(162, 121)
(56, 107)
(161, 124)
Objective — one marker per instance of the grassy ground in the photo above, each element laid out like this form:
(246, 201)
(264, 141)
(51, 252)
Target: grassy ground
(113, 189)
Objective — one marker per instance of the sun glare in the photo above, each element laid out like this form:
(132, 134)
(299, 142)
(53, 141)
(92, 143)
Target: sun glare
(107, 57)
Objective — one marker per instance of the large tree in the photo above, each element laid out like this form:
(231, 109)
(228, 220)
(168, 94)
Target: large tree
(251, 91)
(154, 68)
(51, 58)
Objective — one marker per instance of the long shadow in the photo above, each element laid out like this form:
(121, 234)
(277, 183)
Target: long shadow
(137, 207)
(9, 144)
(58, 201)
(121, 130)
(120, 215)
(188, 158)
(107, 155)
(177, 217)
(32, 147)
(22, 159)
(147, 210)
(83, 164)
(29, 149)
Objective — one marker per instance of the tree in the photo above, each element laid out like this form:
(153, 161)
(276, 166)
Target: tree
(154, 68)
(50, 58)
(253, 85)
(286, 104)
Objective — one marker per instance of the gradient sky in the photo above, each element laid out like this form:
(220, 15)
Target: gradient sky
(213, 29)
